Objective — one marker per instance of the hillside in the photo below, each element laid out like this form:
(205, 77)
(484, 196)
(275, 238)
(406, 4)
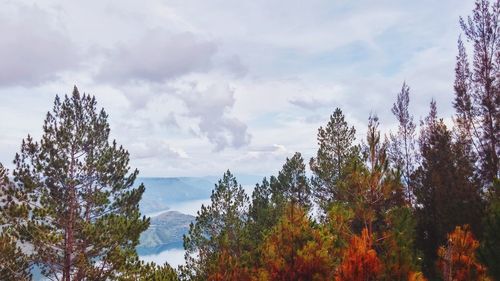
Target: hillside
(165, 232)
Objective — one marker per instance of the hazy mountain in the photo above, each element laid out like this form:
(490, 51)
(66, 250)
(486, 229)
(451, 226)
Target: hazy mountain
(164, 233)
(161, 193)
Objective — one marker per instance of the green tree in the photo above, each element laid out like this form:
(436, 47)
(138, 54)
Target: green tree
(14, 264)
(264, 213)
(489, 252)
(329, 167)
(448, 193)
(218, 227)
(142, 271)
(294, 183)
(84, 220)
(398, 251)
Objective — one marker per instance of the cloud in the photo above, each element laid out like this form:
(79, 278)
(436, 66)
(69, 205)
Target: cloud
(155, 149)
(210, 106)
(33, 50)
(309, 104)
(170, 121)
(157, 57)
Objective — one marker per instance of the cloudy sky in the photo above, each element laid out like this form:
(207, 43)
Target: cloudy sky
(196, 87)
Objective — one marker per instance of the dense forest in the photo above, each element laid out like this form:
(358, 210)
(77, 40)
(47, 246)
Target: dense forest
(421, 203)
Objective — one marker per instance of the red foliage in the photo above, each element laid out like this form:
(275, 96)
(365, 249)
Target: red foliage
(360, 261)
(457, 260)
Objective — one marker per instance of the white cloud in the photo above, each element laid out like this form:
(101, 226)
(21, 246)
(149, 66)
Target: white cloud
(33, 49)
(211, 107)
(197, 87)
(157, 56)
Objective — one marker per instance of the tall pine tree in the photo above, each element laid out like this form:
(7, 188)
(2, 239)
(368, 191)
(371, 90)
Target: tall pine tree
(329, 167)
(84, 220)
(403, 144)
(477, 90)
(218, 229)
(448, 193)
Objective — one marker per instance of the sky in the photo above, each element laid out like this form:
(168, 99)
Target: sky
(194, 88)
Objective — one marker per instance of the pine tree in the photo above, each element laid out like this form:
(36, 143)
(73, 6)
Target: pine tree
(336, 148)
(265, 210)
(218, 226)
(373, 187)
(360, 261)
(489, 252)
(84, 220)
(295, 250)
(14, 263)
(142, 271)
(398, 252)
(294, 183)
(477, 90)
(448, 193)
(457, 260)
(403, 150)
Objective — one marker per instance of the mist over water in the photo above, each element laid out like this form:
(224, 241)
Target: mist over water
(174, 257)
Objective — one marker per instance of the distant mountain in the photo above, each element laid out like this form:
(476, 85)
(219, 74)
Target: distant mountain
(165, 232)
(162, 192)
(162, 196)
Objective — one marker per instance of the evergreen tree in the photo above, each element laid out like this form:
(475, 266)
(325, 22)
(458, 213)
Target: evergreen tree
(294, 183)
(84, 220)
(373, 187)
(142, 271)
(360, 261)
(329, 167)
(457, 260)
(403, 150)
(295, 250)
(447, 192)
(477, 90)
(489, 252)
(14, 264)
(265, 210)
(398, 252)
(218, 227)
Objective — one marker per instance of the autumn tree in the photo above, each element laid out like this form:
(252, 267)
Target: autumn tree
(360, 261)
(295, 250)
(330, 166)
(371, 187)
(457, 260)
(403, 144)
(14, 263)
(218, 227)
(477, 88)
(84, 220)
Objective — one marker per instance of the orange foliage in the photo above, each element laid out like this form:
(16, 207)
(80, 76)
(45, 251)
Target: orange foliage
(416, 276)
(457, 260)
(294, 250)
(360, 260)
(228, 268)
